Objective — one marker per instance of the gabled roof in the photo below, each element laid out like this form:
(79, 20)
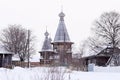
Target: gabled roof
(47, 43)
(61, 34)
(109, 51)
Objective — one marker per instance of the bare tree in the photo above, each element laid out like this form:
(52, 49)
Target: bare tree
(82, 49)
(95, 44)
(15, 39)
(107, 30)
(80, 52)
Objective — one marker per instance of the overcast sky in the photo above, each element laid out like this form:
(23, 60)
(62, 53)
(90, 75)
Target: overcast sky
(37, 14)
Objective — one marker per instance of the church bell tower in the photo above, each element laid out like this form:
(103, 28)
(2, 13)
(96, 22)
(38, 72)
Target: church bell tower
(62, 44)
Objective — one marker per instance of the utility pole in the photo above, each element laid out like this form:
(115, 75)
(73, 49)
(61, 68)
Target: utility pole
(28, 41)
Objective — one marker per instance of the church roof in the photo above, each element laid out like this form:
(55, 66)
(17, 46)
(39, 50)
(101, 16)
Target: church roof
(61, 34)
(47, 43)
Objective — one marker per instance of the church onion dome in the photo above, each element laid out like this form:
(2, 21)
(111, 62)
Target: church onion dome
(46, 34)
(61, 14)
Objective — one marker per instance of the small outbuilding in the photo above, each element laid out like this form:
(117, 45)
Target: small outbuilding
(101, 59)
(5, 57)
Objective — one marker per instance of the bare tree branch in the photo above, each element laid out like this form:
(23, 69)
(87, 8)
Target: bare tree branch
(108, 27)
(14, 39)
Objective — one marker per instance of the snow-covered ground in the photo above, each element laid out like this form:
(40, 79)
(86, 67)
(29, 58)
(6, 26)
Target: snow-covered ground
(45, 73)
(107, 69)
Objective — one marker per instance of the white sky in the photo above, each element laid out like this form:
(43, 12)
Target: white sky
(37, 14)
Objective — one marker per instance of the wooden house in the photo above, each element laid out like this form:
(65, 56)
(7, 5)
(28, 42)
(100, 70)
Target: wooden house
(100, 59)
(5, 57)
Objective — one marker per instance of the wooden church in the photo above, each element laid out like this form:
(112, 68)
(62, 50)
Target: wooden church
(60, 50)
(47, 53)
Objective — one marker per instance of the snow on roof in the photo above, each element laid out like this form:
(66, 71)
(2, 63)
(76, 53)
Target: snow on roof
(3, 51)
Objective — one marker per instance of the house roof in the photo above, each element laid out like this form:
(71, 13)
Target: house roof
(94, 56)
(61, 33)
(109, 51)
(3, 51)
